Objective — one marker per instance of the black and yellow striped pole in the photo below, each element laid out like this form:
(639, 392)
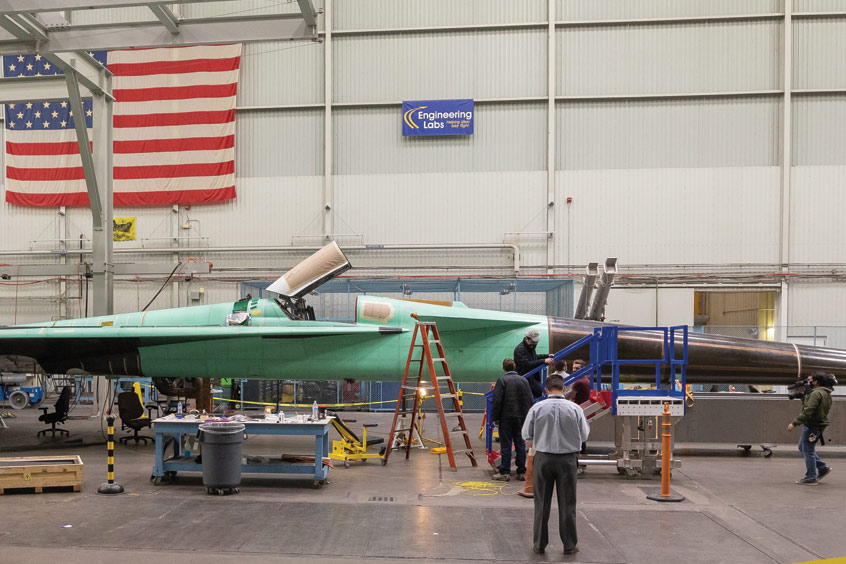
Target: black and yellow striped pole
(110, 487)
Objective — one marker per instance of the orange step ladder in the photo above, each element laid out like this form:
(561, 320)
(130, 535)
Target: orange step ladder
(442, 387)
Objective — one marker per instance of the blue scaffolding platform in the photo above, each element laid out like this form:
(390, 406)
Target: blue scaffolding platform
(669, 385)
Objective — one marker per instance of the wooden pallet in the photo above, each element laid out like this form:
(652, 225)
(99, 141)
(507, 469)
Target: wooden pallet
(40, 473)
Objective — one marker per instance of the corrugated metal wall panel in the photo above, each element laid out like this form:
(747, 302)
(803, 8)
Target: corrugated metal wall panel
(506, 137)
(818, 6)
(20, 225)
(711, 57)
(382, 14)
(668, 133)
(619, 9)
(816, 217)
(819, 53)
(489, 64)
(279, 143)
(443, 208)
(816, 304)
(818, 133)
(274, 73)
(684, 216)
(267, 211)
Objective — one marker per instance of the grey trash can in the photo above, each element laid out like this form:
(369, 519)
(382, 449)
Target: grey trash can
(221, 446)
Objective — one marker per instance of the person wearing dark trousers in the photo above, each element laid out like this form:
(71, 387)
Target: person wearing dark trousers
(557, 427)
(813, 418)
(512, 399)
(527, 359)
(579, 392)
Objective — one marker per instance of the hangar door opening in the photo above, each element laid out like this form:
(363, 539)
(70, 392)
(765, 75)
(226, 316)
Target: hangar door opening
(750, 315)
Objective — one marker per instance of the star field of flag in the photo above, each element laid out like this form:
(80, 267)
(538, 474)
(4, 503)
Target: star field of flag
(42, 115)
(36, 65)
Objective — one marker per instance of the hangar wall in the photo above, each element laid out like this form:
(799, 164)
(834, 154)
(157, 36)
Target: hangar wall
(667, 131)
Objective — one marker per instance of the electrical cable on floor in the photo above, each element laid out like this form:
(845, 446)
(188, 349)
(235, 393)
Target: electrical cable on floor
(481, 488)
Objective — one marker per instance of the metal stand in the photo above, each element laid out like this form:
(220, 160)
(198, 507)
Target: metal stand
(110, 487)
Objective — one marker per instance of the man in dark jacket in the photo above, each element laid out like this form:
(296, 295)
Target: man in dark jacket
(512, 400)
(526, 359)
(814, 419)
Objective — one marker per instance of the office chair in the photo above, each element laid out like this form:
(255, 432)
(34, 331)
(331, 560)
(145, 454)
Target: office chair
(131, 412)
(59, 415)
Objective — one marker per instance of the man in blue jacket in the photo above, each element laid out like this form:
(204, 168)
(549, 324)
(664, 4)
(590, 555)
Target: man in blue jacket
(512, 399)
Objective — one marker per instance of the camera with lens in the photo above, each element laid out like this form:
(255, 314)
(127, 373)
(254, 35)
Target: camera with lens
(799, 389)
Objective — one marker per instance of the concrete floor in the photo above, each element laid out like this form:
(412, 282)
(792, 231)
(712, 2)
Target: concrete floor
(737, 509)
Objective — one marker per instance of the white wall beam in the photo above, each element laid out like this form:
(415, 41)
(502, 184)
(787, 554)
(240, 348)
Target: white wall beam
(328, 140)
(551, 141)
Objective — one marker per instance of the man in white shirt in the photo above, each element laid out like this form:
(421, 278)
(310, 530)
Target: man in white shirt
(557, 428)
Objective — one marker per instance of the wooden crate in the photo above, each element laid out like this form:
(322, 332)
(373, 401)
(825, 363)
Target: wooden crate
(40, 472)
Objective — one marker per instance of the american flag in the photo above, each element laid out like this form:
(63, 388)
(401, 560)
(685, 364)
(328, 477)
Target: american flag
(174, 130)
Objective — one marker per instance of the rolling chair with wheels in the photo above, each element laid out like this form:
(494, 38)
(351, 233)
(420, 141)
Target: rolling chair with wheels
(131, 412)
(59, 415)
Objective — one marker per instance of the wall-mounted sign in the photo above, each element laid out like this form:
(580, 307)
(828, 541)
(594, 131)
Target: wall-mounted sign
(124, 229)
(437, 117)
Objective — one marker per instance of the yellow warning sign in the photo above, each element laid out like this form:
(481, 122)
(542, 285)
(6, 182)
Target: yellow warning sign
(124, 229)
(27, 478)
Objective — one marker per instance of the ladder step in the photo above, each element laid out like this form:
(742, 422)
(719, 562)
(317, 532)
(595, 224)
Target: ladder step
(460, 450)
(438, 359)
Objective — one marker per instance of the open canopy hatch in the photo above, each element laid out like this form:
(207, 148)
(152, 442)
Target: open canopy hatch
(317, 269)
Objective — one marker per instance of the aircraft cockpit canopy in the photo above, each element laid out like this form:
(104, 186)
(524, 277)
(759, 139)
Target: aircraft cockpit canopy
(305, 277)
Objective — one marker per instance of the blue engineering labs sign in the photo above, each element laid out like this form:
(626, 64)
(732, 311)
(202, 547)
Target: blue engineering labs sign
(437, 117)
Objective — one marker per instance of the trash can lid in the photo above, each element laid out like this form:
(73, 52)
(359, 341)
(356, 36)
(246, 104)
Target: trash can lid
(222, 428)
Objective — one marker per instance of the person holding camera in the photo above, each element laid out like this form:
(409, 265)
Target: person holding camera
(813, 418)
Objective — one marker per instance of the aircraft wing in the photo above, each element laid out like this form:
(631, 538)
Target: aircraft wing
(120, 350)
(450, 322)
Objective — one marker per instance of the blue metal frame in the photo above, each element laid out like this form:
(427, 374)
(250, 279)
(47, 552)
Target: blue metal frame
(604, 352)
(182, 461)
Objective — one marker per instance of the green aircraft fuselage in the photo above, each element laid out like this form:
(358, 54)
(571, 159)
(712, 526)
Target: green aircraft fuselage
(265, 342)
(196, 342)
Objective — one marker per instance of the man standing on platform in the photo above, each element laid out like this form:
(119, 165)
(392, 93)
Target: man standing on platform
(557, 427)
(527, 359)
(512, 399)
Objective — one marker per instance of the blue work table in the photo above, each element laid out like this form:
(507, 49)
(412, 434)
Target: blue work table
(170, 430)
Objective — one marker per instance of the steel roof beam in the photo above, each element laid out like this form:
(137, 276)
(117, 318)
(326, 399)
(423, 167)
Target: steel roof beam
(205, 31)
(167, 17)
(31, 25)
(309, 14)
(60, 5)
